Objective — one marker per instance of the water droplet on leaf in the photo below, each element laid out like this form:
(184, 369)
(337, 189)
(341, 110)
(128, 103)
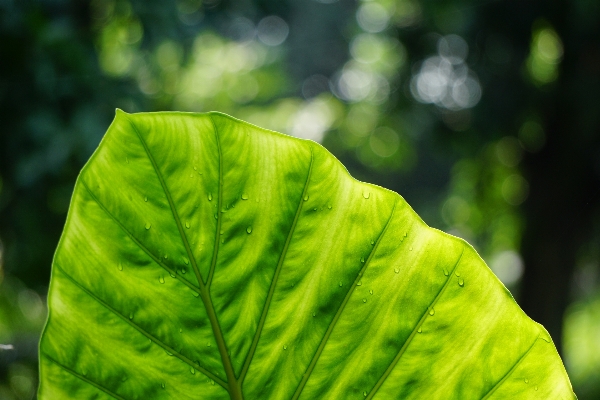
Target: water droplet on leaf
(130, 315)
(419, 330)
(341, 284)
(461, 282)
(446, 272)
(192, 370)
(244, 196)
(145, 198)
(364, 300)
(285, 347)
(396, 270)
(162, 385)
(249, 229)
(371, 291)
(161, 279)
(362, 259)
(366, 194)
(306, 197)
(210, 197)
(148, 226)
(187, 225)
(120, 267)
(431, 312)
(359, 283)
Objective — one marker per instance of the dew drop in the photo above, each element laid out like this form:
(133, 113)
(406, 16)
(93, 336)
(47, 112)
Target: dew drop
(365, 394)
(192, 370)
(183, 271)
(130, 315)
(187, 225)
(148, 226)
(341, 284)
(161, 279)
(371, 291)
(405, 234)
(410, 248)
(220, 233)
(526, 380)
(359, 283)
(216, 216)
(329, 206)
(362, 259)
(180, 330)
(536, 388)
(372, 243)
(212, 382)
(120, 267)
(162, 385)
(249, 229)
(166, 256)
(364, 300)
(306, 197)
(196, 294)
(396, 270)
(208, 344)
(419, 330)
(210, 197)
(461, 282)
(431, 312)
(314, 314)
(457, 273)
(315, 209)
(244, 196)
(366, 195)
(285, 347)
(185, 261)
(446, 272)
(145, 198)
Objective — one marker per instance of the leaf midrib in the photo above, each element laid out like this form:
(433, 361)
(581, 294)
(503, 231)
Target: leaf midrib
(233, 386)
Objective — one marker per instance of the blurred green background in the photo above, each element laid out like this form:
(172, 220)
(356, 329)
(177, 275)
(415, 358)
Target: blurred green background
(484, 115)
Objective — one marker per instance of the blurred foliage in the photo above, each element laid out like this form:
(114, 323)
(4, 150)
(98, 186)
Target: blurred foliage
(483, 115)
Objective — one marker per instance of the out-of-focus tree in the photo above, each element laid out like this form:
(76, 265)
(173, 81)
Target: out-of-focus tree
(482, 114)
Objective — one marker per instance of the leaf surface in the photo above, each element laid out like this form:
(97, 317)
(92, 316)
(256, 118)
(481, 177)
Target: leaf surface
(207, 258)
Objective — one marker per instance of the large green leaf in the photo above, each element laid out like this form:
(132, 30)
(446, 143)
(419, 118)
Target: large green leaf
(206, 258)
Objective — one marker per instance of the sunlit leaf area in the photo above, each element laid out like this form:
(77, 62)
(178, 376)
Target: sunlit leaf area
(482, 115)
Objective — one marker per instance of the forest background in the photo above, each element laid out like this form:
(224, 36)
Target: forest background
(484, 115)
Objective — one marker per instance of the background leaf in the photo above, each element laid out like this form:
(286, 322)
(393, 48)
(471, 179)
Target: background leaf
(204, 257)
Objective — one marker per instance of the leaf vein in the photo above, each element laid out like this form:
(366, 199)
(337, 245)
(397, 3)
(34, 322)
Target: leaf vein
(83, 378)
(414, 331)
(144, 332)
(163, 183)
(510, 371)
(263, 316)
(340, 309)
(213, 263)
(140, 244)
